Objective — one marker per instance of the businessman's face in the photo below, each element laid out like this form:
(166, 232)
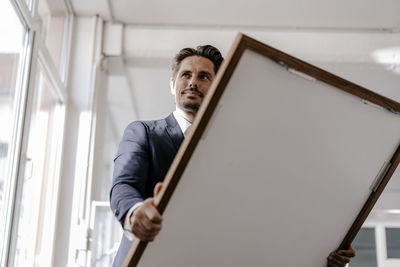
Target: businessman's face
(191, 83)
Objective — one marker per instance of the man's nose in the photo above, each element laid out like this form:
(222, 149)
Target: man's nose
(193, 82)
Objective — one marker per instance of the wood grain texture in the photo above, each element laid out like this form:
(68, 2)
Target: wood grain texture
(211, 101)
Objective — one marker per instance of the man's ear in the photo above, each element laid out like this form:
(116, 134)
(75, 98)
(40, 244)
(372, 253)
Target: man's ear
(171, 84)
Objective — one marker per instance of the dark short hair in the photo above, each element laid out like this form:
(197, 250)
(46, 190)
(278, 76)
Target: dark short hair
(207, 51)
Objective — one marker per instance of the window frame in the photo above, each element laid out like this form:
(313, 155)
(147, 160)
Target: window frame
(34, 49)
(17, 133)
(380, 220)
(25, 142)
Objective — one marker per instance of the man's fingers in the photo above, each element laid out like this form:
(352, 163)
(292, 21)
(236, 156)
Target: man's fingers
(334, 259)
(144, 236)
(346, 253)
(148, 213)
(332, 262)
(145, 231)
(141, 233)
(147, 221)
(151, 211)
(341, 258)
(351, 252)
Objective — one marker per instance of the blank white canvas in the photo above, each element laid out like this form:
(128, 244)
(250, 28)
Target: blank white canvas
(282, 171)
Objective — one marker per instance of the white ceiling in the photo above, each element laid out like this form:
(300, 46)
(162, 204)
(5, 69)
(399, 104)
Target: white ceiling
(344, 14)
(315, 29)
(319, 30)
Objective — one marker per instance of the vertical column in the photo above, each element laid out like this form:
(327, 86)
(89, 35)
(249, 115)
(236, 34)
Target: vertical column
(73, 204)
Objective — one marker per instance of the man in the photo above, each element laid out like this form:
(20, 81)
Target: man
(148, 148)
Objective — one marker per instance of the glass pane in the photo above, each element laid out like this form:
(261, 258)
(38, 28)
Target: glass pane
(393, 243)
(53, 15)
(40, 183)
(11, 47)
(106, 236)
(29, 4)
(365, 246)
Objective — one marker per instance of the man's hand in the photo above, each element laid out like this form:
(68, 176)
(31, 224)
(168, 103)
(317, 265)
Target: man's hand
(341, 257)
(146, 220)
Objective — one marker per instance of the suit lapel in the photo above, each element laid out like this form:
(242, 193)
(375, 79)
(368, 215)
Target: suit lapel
(174, 131)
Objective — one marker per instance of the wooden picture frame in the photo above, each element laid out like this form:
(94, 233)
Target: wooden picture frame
(210, 105)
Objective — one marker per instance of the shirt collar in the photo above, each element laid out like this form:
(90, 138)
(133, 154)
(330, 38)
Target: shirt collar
(180, 118)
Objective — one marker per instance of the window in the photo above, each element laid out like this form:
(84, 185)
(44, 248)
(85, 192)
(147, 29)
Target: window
(106, 234)
(29, 4)
(365, 247)
(36, 212)
(32, 119)
(393, 242)
(378, 242)
(53, 17)
(12, 54)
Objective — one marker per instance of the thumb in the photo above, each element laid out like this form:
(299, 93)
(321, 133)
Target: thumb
(157, 188)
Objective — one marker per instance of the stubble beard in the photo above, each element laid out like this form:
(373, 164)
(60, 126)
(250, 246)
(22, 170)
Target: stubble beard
(191, 107)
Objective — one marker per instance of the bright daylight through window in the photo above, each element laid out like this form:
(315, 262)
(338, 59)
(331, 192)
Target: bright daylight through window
(11, 58)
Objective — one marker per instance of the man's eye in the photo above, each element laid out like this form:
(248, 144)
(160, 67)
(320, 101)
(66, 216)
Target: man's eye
(204, 77)
(185, 75)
